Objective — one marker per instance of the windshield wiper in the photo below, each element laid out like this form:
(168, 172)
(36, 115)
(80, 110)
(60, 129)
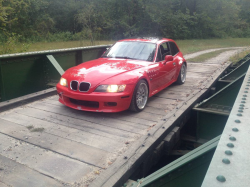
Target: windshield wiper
(125, 57)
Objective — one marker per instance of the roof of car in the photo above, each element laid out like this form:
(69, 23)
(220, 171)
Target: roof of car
(148, 39)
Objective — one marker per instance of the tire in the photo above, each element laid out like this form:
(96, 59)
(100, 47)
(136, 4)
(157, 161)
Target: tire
(140, 97)
(182, 74)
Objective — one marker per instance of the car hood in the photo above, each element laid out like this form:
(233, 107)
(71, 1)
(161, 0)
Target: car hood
(98, 70)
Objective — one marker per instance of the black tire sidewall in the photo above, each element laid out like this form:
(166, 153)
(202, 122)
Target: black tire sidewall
(134, 96)
(179, 81)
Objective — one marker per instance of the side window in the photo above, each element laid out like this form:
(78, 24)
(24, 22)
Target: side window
(165, 46)
(162, 52)
(174, 49)
(158, 58)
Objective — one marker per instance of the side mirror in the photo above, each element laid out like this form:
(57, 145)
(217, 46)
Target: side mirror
(169, 58)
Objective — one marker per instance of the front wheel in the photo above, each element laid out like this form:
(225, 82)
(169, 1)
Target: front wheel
(140, 97)
(182, 74)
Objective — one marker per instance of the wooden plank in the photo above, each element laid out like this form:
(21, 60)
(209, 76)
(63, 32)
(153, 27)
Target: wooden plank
(14, 174)
(148, 118)
(13, 103)
(68, 123)
(180, 96)
(74, 150)
(181, 88)
(163, 107)
(75, 135)
(154, 110)
(162, 101)
(45, 162)
(100, 118)
(3, 185)
(133, 117)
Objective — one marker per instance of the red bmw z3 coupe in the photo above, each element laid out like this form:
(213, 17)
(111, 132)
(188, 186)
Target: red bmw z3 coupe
(124, 77)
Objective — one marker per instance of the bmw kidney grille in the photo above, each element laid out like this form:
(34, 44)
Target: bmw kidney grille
(84, 86)
(74, 85)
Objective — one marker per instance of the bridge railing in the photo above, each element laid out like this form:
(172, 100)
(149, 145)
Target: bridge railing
(26, 73)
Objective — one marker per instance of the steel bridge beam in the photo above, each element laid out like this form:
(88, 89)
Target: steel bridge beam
(230, 165)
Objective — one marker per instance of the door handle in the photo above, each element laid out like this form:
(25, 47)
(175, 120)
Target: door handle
(174, 63)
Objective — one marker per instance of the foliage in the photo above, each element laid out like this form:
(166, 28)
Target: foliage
(11, 45)
(64, 20)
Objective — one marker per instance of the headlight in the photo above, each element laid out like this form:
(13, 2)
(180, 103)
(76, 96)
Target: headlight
(110, 88)
(63, 82)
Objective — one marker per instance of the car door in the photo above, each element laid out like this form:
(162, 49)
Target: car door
(154, 76)
(174, 51)
(157, 71)
(165, 67)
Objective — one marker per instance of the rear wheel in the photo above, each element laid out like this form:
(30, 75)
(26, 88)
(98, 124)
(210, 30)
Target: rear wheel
(182, 74)
(140, 97)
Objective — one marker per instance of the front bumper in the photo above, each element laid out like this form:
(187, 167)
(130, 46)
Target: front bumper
(96, 101)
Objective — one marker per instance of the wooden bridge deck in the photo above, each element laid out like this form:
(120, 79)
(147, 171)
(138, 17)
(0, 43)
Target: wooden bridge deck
(45, 143)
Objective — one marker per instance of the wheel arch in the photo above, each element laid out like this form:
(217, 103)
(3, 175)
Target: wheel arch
(145, 79)
(185, 63)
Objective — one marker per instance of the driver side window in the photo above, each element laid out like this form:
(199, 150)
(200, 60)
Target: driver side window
(162, 52)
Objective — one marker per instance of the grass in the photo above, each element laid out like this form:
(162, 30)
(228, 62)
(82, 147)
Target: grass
(191, 46)
(186, 46)
(32, 129)
(41, 46)
(207, 56)
(239, 56)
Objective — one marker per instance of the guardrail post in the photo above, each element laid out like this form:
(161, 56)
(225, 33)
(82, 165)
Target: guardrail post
(78, 57)
(2, 92)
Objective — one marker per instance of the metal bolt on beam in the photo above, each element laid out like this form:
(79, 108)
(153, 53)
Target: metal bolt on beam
(243, 101)
(239, 114)
(241, 107)
(235, 129)
(228, 152)
(240, 110)
(237, 121)
(232, 138)
(221, 178)
(226, 161)
(230, 145)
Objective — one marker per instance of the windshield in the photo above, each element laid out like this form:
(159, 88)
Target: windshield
(132, 50)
